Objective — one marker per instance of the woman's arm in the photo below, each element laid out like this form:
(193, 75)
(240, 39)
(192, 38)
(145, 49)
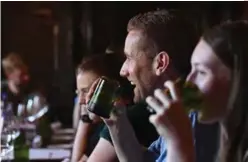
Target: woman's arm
(172, 122)
(83, 132)
(180, 151)
(81, 140)
(76, 115)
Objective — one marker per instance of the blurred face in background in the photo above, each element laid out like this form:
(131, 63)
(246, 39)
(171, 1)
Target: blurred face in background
(84, 81)
(15, 74)
(15, 69)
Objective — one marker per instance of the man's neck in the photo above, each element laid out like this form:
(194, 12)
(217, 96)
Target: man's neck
(168, 75)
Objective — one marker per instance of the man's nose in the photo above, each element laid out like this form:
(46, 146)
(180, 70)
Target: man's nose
(82, 99)
(124, 71)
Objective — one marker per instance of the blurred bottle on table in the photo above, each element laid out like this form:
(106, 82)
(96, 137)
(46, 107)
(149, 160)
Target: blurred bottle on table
(21, 149)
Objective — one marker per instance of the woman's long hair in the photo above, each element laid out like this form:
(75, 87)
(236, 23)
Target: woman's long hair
(229, 41)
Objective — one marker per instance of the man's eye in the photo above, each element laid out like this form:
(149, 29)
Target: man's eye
(128, 57)
(86, 90)
(202, 72)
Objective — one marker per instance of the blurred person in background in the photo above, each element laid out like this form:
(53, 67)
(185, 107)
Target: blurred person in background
(18, 88)
(16, 72)
(90, 125)
(115, 48)
(22, 97)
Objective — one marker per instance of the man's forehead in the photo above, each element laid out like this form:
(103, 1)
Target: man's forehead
(133, 42)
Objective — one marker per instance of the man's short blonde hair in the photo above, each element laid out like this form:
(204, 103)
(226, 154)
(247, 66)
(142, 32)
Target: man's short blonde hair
(13, 61)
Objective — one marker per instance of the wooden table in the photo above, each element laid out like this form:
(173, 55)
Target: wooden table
(43, 154)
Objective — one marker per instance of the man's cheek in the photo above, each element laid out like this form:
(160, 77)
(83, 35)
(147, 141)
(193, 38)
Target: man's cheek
(134, 70)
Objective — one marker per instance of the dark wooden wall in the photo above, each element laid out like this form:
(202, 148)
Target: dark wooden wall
(28, 28)
(84, 28)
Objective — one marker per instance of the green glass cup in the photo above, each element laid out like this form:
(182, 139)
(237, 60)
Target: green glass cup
(104, 96)
(191, 96)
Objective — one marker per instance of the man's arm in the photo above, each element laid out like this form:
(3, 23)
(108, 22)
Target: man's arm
(126, 144)
(103, 152)
(141, 132)
(105, 144)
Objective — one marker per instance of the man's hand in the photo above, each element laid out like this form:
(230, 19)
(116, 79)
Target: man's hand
(118, 114)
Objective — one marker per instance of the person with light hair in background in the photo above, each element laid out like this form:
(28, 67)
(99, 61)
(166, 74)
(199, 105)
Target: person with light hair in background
(18, 87)
(16, 72)
(22, 96)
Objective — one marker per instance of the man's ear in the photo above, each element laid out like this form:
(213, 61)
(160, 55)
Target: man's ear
(160, 63)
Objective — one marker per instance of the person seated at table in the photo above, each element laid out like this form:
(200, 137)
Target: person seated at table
(90, 125)
(23, 97)
(116, 48)
(19, 88)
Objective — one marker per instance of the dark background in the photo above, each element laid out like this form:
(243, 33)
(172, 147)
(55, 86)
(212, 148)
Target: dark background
(52, 37)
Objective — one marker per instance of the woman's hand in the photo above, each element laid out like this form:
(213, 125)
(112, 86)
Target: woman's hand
(170, 120)
(95, 118)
